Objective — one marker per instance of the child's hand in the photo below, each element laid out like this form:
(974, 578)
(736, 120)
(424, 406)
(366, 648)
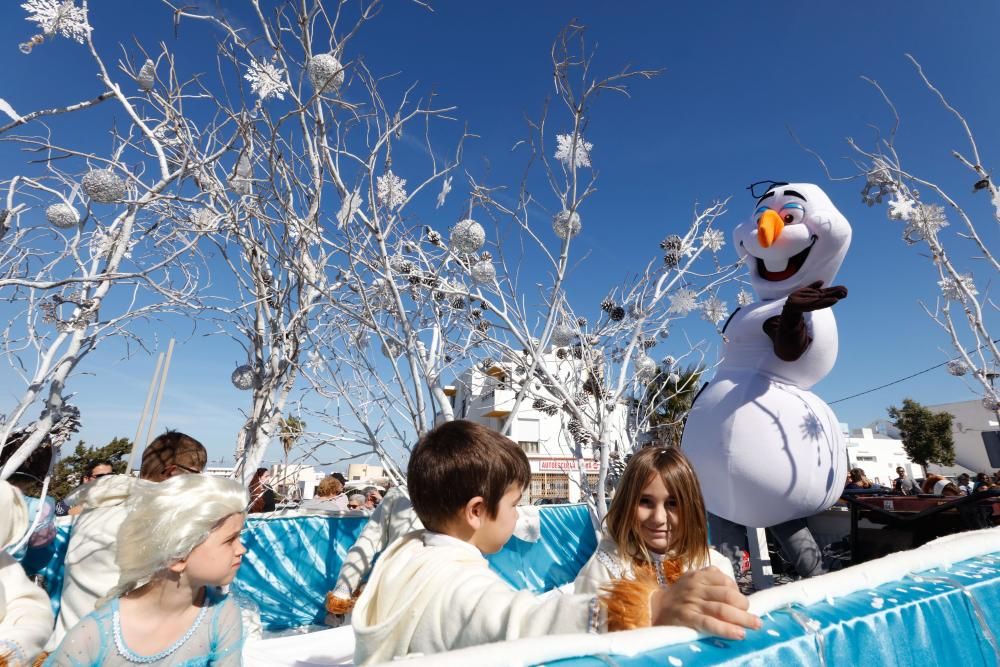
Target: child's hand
(706, 600)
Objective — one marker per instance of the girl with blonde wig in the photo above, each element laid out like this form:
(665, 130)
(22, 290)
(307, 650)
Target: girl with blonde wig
(178, 544)
(656, 527)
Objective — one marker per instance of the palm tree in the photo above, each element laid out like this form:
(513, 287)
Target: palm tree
(290, 429)
(670, 397)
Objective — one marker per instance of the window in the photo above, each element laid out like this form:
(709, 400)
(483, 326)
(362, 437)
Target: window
(528, 447)
(549, 486)
(866, 458)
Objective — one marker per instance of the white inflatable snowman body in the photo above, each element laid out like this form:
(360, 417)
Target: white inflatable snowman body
(766, 449)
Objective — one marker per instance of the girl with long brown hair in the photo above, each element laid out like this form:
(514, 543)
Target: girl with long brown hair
(656, 525)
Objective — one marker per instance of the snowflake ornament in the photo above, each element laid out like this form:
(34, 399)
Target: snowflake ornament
(925, 221)
(683, 301)
(715, 310)
(713, 239)
(445, 189)
(951, 288)
(348, 208)
(62, 216)
(390, 190)
(467, 236)
(56, 17)
(901, 208)
(244, 377)
(744, 298)
(326, 73)
(266, 80)
(102, 243)
(570, 155)
(566, 224)
(103, 186)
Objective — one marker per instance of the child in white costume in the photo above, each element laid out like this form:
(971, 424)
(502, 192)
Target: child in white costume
(433, 590)
(25, 613)
(178, 544)
(90, 565)
(656, 523)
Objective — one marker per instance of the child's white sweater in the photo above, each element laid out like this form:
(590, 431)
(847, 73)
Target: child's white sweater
(430, 593)
(607, 564)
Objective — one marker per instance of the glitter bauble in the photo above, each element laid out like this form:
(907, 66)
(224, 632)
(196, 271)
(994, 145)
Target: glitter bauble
(566, 224)
(326, 73)
(103, 186)
(62, 216)
(467, 236)
(483, 272)
(147, 75)
(244, 377)
(562, 335)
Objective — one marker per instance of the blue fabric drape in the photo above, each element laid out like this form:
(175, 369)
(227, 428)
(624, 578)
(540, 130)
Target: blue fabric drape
(567, 542)
(47, 562)
(940, 616)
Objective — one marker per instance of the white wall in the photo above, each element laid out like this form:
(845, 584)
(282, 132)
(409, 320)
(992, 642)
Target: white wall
(879, 457)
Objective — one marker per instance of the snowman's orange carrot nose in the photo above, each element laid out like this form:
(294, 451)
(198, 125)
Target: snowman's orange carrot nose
(769, 227)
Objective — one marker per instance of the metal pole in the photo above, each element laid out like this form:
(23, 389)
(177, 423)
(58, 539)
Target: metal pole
(159, 394)
(145, 411)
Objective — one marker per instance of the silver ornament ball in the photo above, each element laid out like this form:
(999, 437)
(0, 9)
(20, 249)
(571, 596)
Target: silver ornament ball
(467, 236)
(566, 224)
(62, 216)
(484, 272)
(244, 378)
(562, 335)
(103, 186)
(645, 366)
(326, 73)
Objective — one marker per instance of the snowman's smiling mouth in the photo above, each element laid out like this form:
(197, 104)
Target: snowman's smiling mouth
(795, 263)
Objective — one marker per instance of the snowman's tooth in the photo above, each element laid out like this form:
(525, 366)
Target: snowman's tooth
(776, 265)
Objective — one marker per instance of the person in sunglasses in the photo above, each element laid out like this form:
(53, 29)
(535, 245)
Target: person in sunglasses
(90, 567)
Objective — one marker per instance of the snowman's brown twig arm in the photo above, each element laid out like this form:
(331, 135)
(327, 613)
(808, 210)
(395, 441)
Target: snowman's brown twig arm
(788, 332)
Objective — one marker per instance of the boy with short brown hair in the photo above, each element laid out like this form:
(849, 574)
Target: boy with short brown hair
(433, 591)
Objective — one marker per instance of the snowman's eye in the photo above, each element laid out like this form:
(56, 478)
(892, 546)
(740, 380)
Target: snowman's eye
(792, 213)
(760, 211)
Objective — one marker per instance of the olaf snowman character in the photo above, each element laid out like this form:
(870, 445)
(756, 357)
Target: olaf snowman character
(769, 449)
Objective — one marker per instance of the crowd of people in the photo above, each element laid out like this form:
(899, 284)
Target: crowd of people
(932, 484)
(149, 560)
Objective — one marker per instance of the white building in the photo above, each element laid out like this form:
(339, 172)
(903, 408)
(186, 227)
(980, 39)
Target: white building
(878, 455)
(295, 480)
(363, 471)
(486, 396)
(976, 432)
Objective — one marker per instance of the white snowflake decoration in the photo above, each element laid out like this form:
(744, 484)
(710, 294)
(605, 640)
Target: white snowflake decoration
(445, 189)
(205, 221)
(715, 310)
(901, 208)
(467, 236)
(565, 153)
(744, 298)
(266, 80)
(713, 239)
(350, 206)
(314, 361)
(951, 288)
(102, 242)
(566, 224)
(957, 367)
(59, 17)
(62, 216)
(326, 73)
(244, 377)
(390, 190)
(683, 301)
(924, 222)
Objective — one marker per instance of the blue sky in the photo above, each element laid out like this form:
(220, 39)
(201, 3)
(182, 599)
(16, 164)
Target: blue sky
(737, 75)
